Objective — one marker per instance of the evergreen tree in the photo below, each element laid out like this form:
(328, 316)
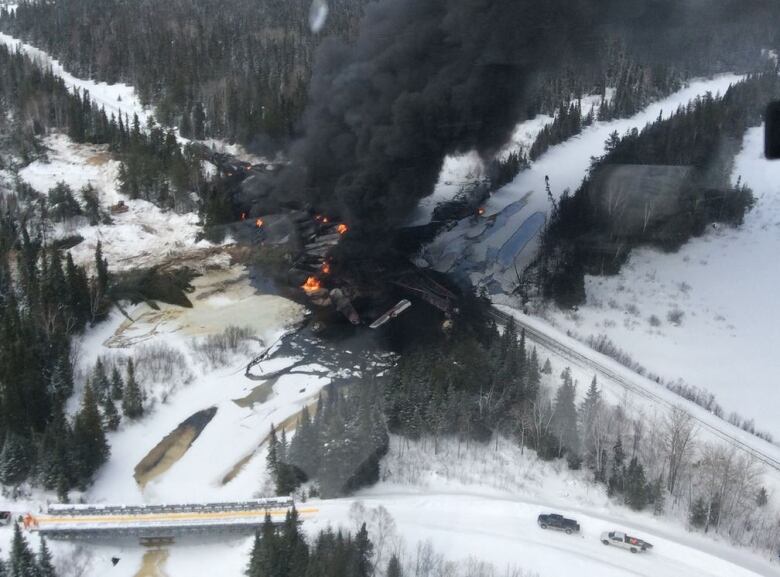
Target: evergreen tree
(133, 398)
(565, 415)
(588, 415)
(272, 458)
(90, 448)
(635, 486)
(394, 567)
(117, 385)
(100, 383)
(21, 562)
(657, 494)
(364, 551)
(45, 566)
(762, 498)
(110, 414)
(697, 515)
(615, 485)
(16, 459)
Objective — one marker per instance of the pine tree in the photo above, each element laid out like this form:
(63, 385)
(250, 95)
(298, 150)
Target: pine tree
(635, 486)
(615, 485)
(565, 416)
(272, 459)
(588, 415)
(90, 448)
(762, 498)
(16, 459)
(133, 399)
(263, 559)
(100, 383)
(658, 496)
(364, 552)
(697, 516)
(394, 567)
(45, 566)
(21, 561)
(110, 414)
(117, 386)
(101, 270)
(547, 368)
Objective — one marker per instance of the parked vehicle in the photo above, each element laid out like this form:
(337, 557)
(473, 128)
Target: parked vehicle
(625, 541)
(559, 522)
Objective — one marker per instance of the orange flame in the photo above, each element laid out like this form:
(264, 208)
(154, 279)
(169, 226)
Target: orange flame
(259, 222)
(312, 284)
(325, 268)
(243, 216)
(480, 211)
(325, 219)
(342, 228)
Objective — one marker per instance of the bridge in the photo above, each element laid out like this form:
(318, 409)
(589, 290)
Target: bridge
(158, 521)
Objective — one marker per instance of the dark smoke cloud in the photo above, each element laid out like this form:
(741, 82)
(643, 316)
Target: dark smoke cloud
(425, 78)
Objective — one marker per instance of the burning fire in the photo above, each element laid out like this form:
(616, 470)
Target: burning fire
(480, 211)
(259, 222)
(342, 228)
(325, 268)
(243, 216)
(312, 284)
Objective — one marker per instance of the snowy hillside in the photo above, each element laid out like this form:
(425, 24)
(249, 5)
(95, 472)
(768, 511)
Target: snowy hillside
(708, 313)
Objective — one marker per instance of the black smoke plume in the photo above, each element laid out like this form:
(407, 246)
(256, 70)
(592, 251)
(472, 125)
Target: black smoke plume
(424, 79)
(428, 78)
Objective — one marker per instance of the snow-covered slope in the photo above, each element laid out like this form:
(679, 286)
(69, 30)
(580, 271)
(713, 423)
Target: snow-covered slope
(491, 253)
(725, 286)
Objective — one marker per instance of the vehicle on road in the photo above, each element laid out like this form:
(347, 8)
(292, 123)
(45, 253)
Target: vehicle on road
(625, 541)
(559, 522)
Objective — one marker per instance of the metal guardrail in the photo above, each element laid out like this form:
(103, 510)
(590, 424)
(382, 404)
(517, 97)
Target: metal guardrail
(158, 520)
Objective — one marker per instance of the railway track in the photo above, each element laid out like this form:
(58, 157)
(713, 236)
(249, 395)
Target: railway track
(642, 390)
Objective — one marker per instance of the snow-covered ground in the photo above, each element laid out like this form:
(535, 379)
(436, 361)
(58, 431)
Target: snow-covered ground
(119, 99)
(143, 236)
(492, 254)
(724, 284)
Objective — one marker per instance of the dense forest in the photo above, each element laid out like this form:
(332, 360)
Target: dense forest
(239, 70)
(233, 70)
(285, 552)
(340, 446)
(23, 562)
(590, 231)
(45, 298)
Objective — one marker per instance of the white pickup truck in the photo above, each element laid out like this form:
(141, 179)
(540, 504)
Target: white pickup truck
(625, 541)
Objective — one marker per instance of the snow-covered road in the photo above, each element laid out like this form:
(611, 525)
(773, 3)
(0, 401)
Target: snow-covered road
(464, 525)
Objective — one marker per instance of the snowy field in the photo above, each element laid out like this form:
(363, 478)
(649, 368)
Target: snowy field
(724, 284)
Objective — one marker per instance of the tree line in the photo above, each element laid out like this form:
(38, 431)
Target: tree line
(340, 446)
(239, 70)
(153, 165)
(230, 70)
(284, 551)
(23, 562)
(587, 231)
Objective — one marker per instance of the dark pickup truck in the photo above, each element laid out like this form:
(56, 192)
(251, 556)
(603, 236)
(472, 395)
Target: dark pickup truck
(559, 522)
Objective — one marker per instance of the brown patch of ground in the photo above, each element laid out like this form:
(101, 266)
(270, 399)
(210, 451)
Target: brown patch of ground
(99, 159)
(172, 448)
(152, 564)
